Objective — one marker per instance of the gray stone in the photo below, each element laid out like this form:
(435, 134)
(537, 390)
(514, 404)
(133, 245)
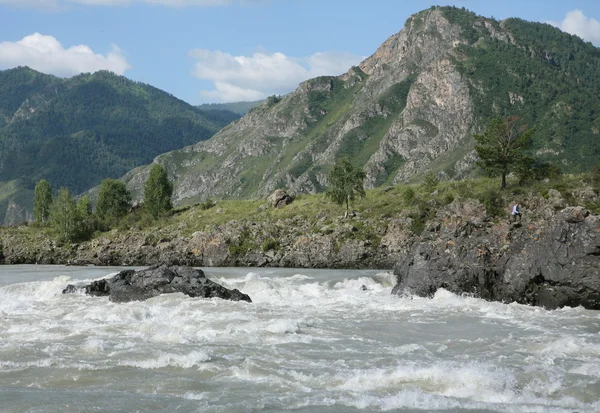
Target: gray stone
(131, 285)
(552, 263)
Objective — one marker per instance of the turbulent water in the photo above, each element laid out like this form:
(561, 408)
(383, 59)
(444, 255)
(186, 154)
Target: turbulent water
(311, 341)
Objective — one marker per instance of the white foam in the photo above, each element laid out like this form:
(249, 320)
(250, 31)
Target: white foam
(161, 360)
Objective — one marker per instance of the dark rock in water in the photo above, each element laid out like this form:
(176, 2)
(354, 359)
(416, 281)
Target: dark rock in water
(553, 263)
(131, 285)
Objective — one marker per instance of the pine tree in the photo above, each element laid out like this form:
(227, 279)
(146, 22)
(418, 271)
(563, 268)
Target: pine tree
(502, 146)
(346, 183)
(42, 201)
(157, 192)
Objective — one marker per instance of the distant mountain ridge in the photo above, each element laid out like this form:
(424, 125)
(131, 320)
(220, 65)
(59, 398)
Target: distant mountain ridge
(410, 108)
(241, 108)
(75, 132)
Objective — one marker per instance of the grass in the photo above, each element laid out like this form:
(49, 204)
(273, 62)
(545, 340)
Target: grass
(321, 216)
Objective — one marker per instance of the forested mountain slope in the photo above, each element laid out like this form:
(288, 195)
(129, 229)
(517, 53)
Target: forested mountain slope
(75, 132)
(411, 107)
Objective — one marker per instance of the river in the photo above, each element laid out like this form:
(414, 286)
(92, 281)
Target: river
(311, 341)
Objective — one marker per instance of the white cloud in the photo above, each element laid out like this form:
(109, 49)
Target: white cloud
(263, 74)
(47, 55)
(577, 23)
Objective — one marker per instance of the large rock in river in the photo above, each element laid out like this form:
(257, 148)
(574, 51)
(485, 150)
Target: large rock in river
(552, 262)
(131, 285)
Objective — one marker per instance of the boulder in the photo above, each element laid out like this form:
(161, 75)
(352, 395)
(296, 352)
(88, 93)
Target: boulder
(553, 263)
(131, 285)
(279, 199)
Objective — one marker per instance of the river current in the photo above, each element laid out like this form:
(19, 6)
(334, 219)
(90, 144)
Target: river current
(311, 341)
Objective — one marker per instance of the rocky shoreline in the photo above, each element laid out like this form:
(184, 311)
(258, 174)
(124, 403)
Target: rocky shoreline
(551, 258)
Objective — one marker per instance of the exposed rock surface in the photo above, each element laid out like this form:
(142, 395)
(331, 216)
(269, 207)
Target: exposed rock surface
(279, 199)
(551, 263)
(131, 285)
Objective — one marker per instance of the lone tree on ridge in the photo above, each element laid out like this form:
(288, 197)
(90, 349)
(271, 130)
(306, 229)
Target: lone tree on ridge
(502, 146)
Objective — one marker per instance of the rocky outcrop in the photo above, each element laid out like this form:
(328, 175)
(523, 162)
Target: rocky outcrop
(279, 199)
(131, 285)
(551, 263)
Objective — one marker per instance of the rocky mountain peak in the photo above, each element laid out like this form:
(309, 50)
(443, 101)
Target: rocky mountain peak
(409, 108)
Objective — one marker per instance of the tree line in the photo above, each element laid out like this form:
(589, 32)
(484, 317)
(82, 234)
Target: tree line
(74, 220)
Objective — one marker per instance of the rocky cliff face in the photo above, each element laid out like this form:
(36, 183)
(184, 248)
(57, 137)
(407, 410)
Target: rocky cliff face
(409, 108)
(551, 262)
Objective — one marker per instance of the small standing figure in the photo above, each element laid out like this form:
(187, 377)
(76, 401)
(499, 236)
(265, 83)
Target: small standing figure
(516, 212)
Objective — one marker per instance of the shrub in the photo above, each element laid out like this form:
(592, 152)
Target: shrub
(493, 202)
(430, 182)
(408, 195)
(270, 244)
(208, 204)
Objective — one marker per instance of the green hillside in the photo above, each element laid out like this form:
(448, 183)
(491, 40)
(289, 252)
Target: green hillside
(410, 108)
(552, 76)
(75, 132)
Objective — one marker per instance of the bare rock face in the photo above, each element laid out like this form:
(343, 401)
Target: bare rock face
(131, 285)
(552, 263)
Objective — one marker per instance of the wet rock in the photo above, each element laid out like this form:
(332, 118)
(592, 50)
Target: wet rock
(131, 285)
(551, 263)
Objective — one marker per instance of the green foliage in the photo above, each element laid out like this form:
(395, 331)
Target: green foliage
(502, 146)
(430, 182)
(463, 18)
(157, 192)
(75, 132)
(208, 204)
(270, 244)
(408, 195)
(529, 169)
(551, 77)
(84, 207)
(114, 201)
(346, 183)
(493, 202)
(243, 245)
(273, 99)
(66, 219)
(422, 212)
(42, 201)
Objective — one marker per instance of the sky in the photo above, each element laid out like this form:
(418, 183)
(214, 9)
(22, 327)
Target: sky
(205, 51)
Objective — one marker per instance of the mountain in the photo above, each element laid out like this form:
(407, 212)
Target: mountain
(75, 132)
(411, 107)
(241, 108)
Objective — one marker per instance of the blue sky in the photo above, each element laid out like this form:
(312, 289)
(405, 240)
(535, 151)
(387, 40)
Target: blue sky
(228, 50)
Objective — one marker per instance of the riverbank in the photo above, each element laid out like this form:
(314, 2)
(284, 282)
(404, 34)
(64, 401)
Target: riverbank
(459, 237)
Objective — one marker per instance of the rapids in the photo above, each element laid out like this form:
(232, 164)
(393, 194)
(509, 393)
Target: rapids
(311, 341)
